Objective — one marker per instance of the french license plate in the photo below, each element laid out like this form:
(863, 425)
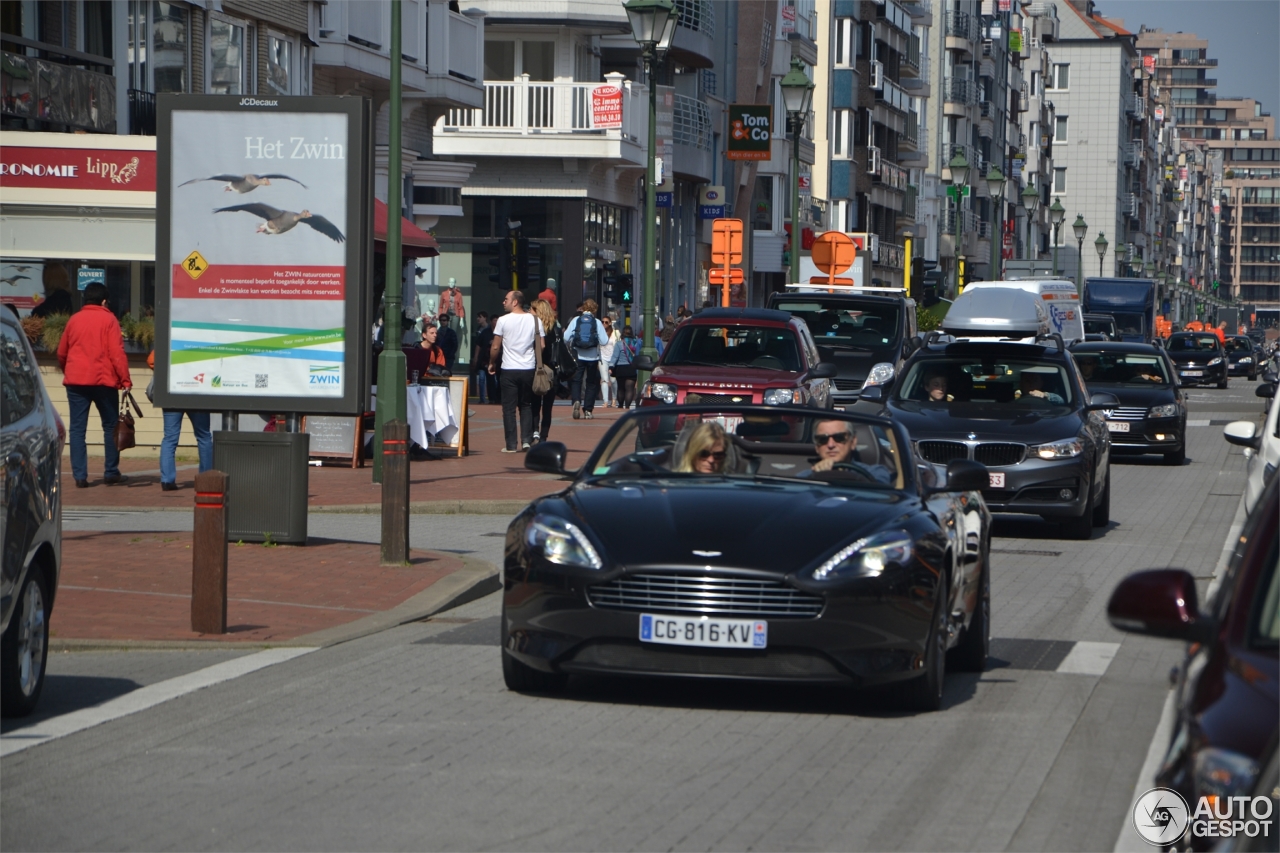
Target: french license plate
(1117, 426)
(704, 631)
(1193, 373)
(997, 479)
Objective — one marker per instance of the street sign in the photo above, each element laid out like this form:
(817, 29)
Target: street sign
(750, 132)
(834, 252)
(711, 203)
(716, 276)
(726, 242)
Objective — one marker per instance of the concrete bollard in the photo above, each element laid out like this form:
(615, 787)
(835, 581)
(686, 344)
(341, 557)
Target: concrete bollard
(209, 555)
(395, 493)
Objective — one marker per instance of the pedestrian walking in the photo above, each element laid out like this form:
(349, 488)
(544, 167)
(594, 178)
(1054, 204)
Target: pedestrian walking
(606, 354)
(95, 370)
(623, 367)
(514, 337)
(173, 432)
(480, 359)
(552, 338)
(585, 334)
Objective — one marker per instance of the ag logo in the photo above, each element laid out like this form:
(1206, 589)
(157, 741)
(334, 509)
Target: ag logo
(1161, 817)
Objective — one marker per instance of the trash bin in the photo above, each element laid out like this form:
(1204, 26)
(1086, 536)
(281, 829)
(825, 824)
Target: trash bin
(267, 494)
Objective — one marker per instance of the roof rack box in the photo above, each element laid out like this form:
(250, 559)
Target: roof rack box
(997, 313)
(1059, 296)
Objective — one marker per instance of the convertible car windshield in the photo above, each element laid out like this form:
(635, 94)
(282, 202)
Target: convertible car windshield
(1106, 368)
(768, 347)
(1016, 383)
(751, 445)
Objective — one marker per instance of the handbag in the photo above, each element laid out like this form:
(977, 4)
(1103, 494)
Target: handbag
(543, 376)
(125, 436)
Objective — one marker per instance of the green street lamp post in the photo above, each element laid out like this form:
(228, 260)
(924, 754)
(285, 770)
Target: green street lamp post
(958, 187)
(1057, 213)
(1081, 229)
(797, 95)
(1101, 245)
(653, 25)
(1030, 203)
(995, 189)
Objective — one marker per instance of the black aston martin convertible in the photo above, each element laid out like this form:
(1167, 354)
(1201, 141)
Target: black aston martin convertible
(755, 543)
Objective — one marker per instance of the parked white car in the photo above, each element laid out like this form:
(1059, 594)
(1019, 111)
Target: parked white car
(1262, 447)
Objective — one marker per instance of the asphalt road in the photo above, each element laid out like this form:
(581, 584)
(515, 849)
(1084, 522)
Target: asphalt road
(408, 740)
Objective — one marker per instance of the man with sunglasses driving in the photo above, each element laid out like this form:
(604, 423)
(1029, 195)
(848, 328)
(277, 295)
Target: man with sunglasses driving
(835, 443)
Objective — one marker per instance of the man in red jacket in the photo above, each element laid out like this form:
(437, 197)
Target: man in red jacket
(94, 369)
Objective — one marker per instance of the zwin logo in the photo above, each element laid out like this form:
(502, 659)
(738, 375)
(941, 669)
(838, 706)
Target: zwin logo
(325, 375)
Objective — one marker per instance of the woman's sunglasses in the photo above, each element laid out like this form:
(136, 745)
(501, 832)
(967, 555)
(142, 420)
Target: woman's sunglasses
(717, 455)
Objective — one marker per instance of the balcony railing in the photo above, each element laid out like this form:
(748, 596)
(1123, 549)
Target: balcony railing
(911, 132)
(142, 113)
(524, 107)
(691, 123)
(894, 95)
(892, 176)
(440, 43)
(49, 91)
(1183, 60)
(961, 25)
(697, 15)
(911, 59)
(960, 91)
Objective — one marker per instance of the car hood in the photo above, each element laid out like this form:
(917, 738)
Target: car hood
(728, 378)
(1203, 357)
(1130, 395)
(757, 525)
(955, 421)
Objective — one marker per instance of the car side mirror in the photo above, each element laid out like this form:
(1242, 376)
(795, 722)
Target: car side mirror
(1102, 400)
(1266, 389)
(965, 475)
(1242, 434)
(823, 370)
(643, 362)
(872, 394)
(1159, 603)
(547, 457)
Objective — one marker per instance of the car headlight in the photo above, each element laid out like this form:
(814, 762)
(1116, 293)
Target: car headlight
(561, 542)
(868, 557)
(1224, 773)
(1215, 361)
(1246, 360)
(1057, 449)
(783, 396)
(659, 391)
(881, 374)
(1168, 410)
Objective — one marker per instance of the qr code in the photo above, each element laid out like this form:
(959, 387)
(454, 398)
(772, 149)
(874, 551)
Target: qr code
(259, 380)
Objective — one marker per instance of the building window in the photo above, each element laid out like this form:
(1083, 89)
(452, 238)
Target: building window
(762, 204)
(840, 208)
(842, 134)
(1060, 129)
(229, 65)
(280, 74)
(157, 34)
(1059, 181)
(844, 47)
(1061, 76)
(1035, 84)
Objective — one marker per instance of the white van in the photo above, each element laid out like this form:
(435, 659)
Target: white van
(1060, 299)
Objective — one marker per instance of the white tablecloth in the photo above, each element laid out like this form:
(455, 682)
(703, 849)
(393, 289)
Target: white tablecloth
(431, 415)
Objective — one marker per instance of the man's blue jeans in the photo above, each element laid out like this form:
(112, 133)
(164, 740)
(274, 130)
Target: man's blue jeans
(169, 445)
(107, 400)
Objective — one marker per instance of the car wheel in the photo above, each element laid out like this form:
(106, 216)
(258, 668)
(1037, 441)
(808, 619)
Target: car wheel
(22, 649)
(1253, 377)
(1102, 511)
(1081, 527)
(924, 692)
(1176, 457)
(1226, 380)
(971, 654)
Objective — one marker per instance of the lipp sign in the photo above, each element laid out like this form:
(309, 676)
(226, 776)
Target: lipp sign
(78, 169)
(606, 107)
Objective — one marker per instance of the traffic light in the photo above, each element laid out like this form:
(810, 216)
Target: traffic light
(933, 286)
(502, 260)
(626, 287)
(528, 265)
(612, 278)
(919, 269)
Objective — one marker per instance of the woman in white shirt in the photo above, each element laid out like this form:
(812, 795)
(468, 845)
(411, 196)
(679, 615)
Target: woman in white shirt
(608, 393)
(513, 340)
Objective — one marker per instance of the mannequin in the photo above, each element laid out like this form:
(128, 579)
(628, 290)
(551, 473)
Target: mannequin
(451, 303)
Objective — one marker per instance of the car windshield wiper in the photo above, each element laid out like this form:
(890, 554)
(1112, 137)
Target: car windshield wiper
(693, 364)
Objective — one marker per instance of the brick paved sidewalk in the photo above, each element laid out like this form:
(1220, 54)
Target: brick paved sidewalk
(137, 586)
(485, 475)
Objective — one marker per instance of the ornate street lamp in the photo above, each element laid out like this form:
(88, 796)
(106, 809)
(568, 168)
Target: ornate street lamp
(1101, 245)
(797, 94)
(1030, 203)
(995, 189)
(1057, 213)
(957, 182)
(1081, 229)
(653, 25)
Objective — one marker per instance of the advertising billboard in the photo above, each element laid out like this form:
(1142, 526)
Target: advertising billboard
(263, 253)
(750, 132)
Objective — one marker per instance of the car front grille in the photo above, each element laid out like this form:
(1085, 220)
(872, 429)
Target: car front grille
(700, 398)
(685, 592)
(1126, 413)
(997, 453)
(942, 452)
(848, 384)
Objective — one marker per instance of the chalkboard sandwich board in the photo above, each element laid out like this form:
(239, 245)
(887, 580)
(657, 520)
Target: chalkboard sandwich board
(336, 439)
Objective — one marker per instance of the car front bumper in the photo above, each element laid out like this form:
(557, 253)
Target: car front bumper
(870, 631)
(1036, 487)
(1209, 375)
(1238, 369)
(1152, 435)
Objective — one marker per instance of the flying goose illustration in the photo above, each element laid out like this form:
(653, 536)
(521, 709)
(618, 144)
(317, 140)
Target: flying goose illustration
(14, 279)
(245, 183)
(279, 221)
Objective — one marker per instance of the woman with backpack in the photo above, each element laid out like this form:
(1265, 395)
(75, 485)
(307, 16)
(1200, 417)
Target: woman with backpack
(552, 339)
(586, 334)
(623, 367)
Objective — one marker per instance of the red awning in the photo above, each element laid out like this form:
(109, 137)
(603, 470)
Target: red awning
(414, 242)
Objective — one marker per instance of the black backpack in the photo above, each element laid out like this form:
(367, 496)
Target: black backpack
(584, 332)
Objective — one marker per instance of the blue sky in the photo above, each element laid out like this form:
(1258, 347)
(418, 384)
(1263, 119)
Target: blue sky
(1242, 34)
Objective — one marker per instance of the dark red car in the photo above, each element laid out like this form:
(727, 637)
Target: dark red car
(740, 355)
(1228, 706)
